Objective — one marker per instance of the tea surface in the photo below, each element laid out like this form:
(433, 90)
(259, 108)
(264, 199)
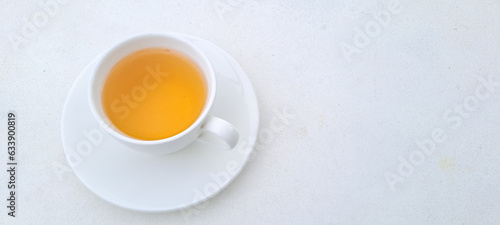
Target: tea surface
(153, 94)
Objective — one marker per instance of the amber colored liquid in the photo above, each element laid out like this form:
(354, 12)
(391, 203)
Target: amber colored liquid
(153, 94)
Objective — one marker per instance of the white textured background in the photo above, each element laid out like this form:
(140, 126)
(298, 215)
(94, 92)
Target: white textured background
(357, 117)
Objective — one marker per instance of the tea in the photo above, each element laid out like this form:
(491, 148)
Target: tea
(154, 93)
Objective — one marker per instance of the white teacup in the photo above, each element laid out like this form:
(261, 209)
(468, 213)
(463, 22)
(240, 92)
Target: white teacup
(204, 122)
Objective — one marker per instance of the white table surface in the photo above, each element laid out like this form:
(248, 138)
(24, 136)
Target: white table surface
(359, 106)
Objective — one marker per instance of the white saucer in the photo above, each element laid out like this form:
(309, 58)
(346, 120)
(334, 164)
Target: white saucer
(142, 182)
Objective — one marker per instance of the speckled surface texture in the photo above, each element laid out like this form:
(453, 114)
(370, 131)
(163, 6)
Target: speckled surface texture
(393, 107)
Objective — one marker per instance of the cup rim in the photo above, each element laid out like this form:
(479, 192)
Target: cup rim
(208, 72)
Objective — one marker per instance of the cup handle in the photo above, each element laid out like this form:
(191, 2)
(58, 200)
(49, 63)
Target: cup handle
(222, 129)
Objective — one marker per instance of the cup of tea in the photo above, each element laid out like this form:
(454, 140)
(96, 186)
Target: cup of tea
(154, 92)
